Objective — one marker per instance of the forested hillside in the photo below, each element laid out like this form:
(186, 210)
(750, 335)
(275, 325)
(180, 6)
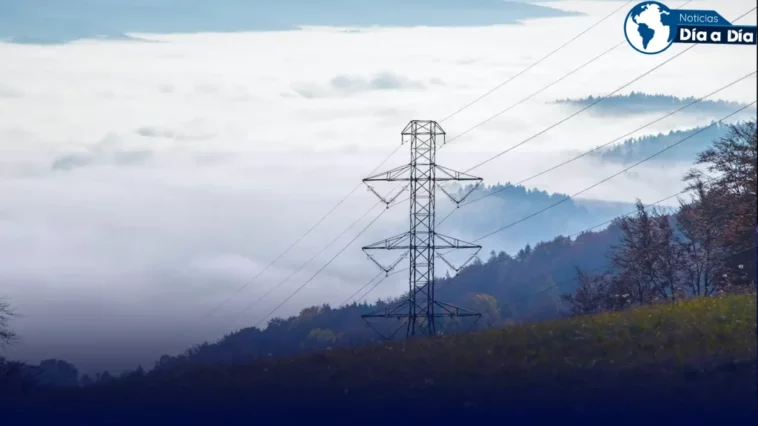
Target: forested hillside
(494, 206)
(707, 248)
(686, 363)
(635, 149)
(645, 103)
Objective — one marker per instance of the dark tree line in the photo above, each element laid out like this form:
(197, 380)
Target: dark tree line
(635, 149)
(706, 248)
(645, 103)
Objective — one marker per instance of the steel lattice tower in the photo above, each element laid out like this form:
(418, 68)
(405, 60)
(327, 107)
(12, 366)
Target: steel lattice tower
(421, 243)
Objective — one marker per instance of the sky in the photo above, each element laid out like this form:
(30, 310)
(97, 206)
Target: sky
(145, 182)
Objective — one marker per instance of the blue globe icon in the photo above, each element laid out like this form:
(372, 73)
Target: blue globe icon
(650, 27)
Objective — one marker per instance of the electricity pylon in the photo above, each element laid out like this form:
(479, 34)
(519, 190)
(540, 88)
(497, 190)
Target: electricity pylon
(421, 243)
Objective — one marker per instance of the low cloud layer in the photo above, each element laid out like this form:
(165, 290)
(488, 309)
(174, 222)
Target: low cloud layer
(144, 183)
(104, 152)
(345, 85)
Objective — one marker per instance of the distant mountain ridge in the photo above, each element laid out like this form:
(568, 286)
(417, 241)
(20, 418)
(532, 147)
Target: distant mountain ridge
(53, 21)
(635, 149)
(503, 204)
(644, 103)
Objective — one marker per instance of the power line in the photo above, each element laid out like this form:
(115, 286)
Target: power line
(570, 236)
(727, 255)
(544, 88)
(560, 79)
(362, 298)
(631, 213)
(662, 200)
(581, 110)
(509, 302)
(297, 241)
(519, 74)
(363, 287)
(444, 119)
(502, 153)
(249, 306)
(584, 109)
(281, 283)
(454, 138)
(570, 116)
(339, 203)
(536, 63)
(614, 175)
(489, 194)
(527, 217)
(319, 271)
(635, 211)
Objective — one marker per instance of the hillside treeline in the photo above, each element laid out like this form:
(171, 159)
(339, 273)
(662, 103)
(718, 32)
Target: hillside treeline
(705, 248)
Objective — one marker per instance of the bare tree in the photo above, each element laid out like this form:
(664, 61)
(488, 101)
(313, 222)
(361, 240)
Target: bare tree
(594, 294)
(709, 253)
(671, 259)
(732, 160)
(635, 259)
(701, 222)
(649, 261)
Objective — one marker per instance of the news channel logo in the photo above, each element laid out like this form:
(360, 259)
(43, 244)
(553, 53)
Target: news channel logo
(652, 27)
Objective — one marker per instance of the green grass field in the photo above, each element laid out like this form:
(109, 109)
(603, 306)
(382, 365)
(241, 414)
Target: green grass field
(672, 342)
(689, 332)
(686, 355)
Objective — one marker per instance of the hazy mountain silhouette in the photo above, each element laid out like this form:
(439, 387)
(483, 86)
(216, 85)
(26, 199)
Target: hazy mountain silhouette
(643, 103)
(54, 21)
(635, 149)
(503, 204)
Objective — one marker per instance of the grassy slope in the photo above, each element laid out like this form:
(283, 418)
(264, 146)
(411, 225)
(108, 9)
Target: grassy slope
(695, 354)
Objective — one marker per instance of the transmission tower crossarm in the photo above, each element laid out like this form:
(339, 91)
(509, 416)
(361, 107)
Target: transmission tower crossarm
(452, 243)
(456, 311)
(423, 128)
(397, 311)
(454, 175)
(392, 243)
(450, 175)
(398, 242)
(393, 175)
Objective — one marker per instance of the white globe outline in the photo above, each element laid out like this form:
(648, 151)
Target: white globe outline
(629, 15)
